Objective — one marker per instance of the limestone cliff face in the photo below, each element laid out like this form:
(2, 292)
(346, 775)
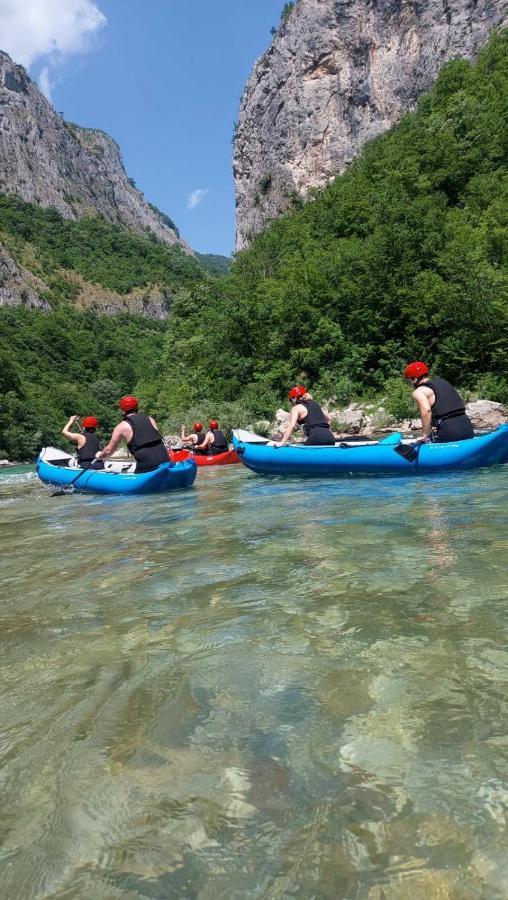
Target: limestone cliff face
(338, 73)
(79, 171)
(17, 286)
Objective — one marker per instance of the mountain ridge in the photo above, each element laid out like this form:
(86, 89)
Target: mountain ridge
(337, 74)
(77, 171)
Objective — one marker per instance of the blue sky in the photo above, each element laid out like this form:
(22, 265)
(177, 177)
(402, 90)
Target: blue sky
(164, 78)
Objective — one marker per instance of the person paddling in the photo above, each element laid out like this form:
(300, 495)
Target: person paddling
(196, 438)
(314, 421)
(140, 433)
(86, 441)
(215, 441)
(442, 410)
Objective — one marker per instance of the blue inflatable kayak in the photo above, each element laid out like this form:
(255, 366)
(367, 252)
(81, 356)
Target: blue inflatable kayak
(373, 458)
(55, 467)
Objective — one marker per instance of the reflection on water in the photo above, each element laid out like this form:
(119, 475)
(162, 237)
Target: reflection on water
(256, 689)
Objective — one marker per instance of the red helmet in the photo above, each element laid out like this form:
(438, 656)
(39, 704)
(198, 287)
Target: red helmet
(89, 422)
(214, 424)
(197, 427)
(129, 404)
(297, 393)
(416, 370)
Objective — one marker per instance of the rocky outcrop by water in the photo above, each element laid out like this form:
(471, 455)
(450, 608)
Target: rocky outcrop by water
(339, 73)
(54, 163)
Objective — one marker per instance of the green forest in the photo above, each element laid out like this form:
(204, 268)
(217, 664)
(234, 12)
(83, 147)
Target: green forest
(403, 257)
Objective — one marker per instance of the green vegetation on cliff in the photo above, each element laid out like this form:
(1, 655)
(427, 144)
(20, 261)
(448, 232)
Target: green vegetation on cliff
(405, 256)
(101, 253)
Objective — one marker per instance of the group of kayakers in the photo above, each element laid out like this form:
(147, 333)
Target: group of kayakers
(441, 408)
(442, 411)
(141, 434)
(213, 441)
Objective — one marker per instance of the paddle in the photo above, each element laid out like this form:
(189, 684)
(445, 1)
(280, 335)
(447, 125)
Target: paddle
(394, 438)
(409, 452)
(74, 480)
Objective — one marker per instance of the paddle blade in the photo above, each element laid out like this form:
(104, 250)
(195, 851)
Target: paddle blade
(410, 454)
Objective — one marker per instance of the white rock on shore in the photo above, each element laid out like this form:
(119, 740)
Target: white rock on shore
(486, 413)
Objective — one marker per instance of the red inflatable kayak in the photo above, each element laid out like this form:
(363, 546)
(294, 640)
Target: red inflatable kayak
(220, 459)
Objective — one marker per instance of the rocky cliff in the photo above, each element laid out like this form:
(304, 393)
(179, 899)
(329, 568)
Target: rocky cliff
(79, 171)
(338, 73)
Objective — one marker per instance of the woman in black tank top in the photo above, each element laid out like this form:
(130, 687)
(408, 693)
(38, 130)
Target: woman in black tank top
(442, 409)
(314, 421)
(86, 440)
(193, 440)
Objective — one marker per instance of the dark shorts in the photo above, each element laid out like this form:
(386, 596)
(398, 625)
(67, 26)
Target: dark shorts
(320, 437)
(150, 458)
(456, 429)
(93, 464)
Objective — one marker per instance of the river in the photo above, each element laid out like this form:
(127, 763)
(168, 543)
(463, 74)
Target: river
(256, 689)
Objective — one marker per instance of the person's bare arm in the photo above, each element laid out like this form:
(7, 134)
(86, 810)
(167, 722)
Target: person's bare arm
(187, 438)
(73, 435)
(423, 398)
(123, 431)
(208, 441)
(293, 422)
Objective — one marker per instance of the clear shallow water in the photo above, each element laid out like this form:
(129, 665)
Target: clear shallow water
(255, 689)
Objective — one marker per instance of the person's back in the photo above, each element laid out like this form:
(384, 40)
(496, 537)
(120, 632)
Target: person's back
(315, 423)
(442, 409)
(448, 412)
(147, 445)
(307, 414)
(141, 435)
(87, 442)
(220, 441)
(195, 439)
(86, 453)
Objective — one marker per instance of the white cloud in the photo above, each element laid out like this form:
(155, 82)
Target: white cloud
(47, 30)
(45, 82)
(196, 197)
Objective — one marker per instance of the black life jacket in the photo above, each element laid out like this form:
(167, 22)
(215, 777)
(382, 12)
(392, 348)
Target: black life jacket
(220, 441)
(448, 403)
(146, 445)
(315, 417)
(86, 453)
(200, 438)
